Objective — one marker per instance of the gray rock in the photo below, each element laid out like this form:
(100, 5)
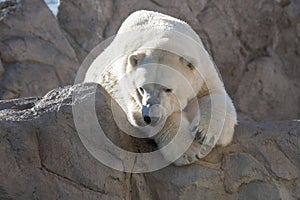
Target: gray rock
(85, 23)
(34, 51)
(254, 44)
(280, 164)
(241, 168)
(296, 189)
(260, 81)
(1, 68)
(259, 190)
(34, 132)
(277, 152)
(191, 182)
(28, 78)
(42, 157)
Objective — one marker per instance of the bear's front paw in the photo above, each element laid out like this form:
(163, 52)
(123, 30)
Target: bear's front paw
(190, 156)
(200, 147)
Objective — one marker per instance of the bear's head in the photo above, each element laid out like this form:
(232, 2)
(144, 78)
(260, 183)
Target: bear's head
(157, 84)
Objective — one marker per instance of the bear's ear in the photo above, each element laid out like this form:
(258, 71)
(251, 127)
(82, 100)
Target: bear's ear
(134, 59)
(186, 61)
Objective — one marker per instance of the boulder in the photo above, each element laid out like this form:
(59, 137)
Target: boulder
(43, 157)
(85, 23)
(36, 56)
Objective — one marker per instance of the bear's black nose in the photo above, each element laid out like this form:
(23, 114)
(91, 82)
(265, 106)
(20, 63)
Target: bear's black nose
(147, 119)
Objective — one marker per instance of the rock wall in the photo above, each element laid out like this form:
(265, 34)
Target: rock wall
(42, 157)
(36, 56)
(254, 43)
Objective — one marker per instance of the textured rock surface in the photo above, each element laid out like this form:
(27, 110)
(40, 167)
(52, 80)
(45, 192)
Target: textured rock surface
(35, 54)
(1, 69)
(85, 22)
(42, 158)
(255, 44)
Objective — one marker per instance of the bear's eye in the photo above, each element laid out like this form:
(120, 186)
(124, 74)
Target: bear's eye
(187, 63)
(168, 90)
(190, 65)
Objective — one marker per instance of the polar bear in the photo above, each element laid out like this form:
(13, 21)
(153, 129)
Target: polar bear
(158, 71)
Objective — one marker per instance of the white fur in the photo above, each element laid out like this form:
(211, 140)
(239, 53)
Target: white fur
(156, 41)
